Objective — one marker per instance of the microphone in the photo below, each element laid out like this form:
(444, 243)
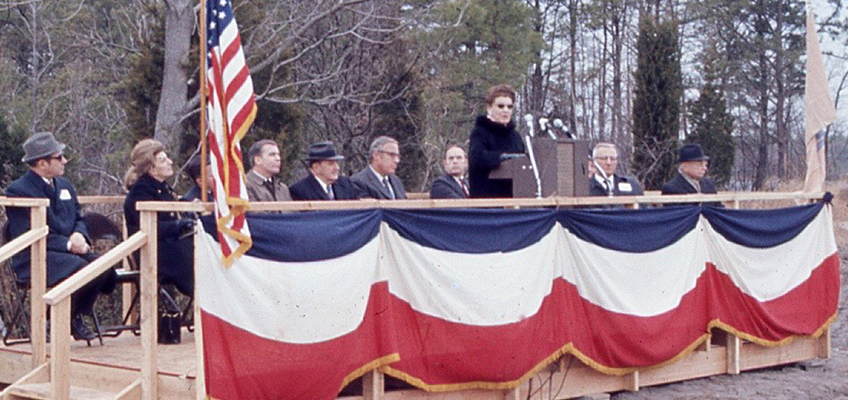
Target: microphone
(529, 120)
(543, 122)
(559, 125)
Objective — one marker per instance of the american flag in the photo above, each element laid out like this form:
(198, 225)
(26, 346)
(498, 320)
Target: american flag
(231, 109)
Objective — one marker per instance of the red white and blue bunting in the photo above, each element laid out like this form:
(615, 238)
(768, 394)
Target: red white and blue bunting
(459, 299)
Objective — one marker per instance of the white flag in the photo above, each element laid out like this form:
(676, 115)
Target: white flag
(820, 111)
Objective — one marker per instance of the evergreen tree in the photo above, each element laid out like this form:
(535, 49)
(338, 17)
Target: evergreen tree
(713, 128)
(656, 107)
(11, 152)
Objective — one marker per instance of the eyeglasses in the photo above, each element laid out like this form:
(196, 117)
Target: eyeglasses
(390, 153)
(57, 158)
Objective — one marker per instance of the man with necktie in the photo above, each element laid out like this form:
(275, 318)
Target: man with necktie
(378, 179)
(262, 181)
(605, 181)
(68, 242)
(452, 185)
(323, 181)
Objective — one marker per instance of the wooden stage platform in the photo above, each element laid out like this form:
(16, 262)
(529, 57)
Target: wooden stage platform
(115, 365)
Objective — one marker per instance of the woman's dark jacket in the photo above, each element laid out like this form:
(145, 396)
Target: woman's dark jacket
(176, 250)
(488, 141)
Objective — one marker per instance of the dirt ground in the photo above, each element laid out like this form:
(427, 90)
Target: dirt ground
(789, 382)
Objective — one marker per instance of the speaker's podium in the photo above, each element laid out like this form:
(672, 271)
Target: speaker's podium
(563, 169)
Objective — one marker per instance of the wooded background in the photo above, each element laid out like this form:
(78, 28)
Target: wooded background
(645, 74)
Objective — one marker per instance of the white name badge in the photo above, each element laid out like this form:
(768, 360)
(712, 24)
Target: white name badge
(64, 195)
(625, 187)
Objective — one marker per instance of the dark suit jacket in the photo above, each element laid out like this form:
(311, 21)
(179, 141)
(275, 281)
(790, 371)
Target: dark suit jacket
(310, 189)
(371, 187)
(446, 187)
(596, 189)
(679, 185)
(63, 219)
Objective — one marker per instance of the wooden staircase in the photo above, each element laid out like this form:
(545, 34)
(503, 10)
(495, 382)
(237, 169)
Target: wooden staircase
(85, 385)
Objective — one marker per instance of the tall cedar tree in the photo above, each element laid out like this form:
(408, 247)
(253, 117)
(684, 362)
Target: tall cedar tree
(713, 130)
(656, 107)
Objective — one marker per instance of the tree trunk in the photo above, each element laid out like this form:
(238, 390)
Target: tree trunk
(179, 24)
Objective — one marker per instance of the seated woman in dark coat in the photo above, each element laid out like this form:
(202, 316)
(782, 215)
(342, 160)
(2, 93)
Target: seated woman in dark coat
(145, 181)
(493, 140)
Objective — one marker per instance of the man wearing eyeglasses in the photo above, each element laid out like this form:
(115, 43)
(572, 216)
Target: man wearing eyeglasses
(68, 242)
(605, 182)
(378, 179)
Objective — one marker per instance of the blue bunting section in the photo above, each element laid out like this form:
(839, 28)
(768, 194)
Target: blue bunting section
(443, 298)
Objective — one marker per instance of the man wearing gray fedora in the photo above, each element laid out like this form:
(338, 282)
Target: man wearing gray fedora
(691, 174)
(68, 242)
(323, 181)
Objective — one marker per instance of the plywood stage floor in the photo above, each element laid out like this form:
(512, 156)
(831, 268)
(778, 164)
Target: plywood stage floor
(115, 364)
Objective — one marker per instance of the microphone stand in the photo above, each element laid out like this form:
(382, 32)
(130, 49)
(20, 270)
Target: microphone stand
(603, 174)
(532, 155)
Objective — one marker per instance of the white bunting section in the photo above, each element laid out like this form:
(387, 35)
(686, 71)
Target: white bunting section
(309, 302)
(762, 273)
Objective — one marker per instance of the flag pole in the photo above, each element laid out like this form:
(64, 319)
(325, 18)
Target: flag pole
(203, 163)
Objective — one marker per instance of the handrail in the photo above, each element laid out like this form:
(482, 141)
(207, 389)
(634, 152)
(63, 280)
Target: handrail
(30, 202)
(22, 242)
(95, 268)
(161, 206)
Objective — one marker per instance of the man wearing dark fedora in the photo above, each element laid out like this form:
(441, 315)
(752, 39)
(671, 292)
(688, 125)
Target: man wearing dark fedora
(324, 182)
(68, 242)
(691, 174)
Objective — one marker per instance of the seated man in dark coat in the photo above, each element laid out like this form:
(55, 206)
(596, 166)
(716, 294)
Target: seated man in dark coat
(691, 175)
(605, 182)
(452, 184)
(194, 172)
(324, 182)
(378, 179)
(68, 242)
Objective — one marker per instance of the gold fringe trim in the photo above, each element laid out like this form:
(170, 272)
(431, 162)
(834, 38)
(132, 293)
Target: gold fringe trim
(569, 349)
(382, 363)
(394, 357)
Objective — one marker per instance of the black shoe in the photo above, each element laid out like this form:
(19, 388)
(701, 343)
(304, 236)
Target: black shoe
(79, 330)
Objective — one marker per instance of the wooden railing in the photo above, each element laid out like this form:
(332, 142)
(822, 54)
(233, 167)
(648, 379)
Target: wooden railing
(146, 241)
(36, 240)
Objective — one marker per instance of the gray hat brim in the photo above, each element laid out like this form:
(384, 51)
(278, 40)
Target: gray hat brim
(34, 157)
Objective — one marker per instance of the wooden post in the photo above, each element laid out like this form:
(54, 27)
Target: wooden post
(823, 345)
(202, 64)
(631, 381)
(149, 307)
(372, 385)
(734, 350)
(128, 289)
(200, 379)
(38, 286)
(60, 346)
(513, 394)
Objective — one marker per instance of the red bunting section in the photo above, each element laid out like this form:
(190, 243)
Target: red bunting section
(437, 355)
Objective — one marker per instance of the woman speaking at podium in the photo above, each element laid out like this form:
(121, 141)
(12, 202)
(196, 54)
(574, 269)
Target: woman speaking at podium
(493, 140)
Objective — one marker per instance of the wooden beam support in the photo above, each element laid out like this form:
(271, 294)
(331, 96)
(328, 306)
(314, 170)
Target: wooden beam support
(373, 385)
(734, 352)
(60, 350)
(631, 381)
(149, 307)
(38, 286)
(823, 343)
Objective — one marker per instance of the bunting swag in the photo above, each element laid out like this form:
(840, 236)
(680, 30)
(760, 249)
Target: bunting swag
(459, 299)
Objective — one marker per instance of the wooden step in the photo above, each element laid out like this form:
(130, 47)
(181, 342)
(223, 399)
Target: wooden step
(41, 391)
